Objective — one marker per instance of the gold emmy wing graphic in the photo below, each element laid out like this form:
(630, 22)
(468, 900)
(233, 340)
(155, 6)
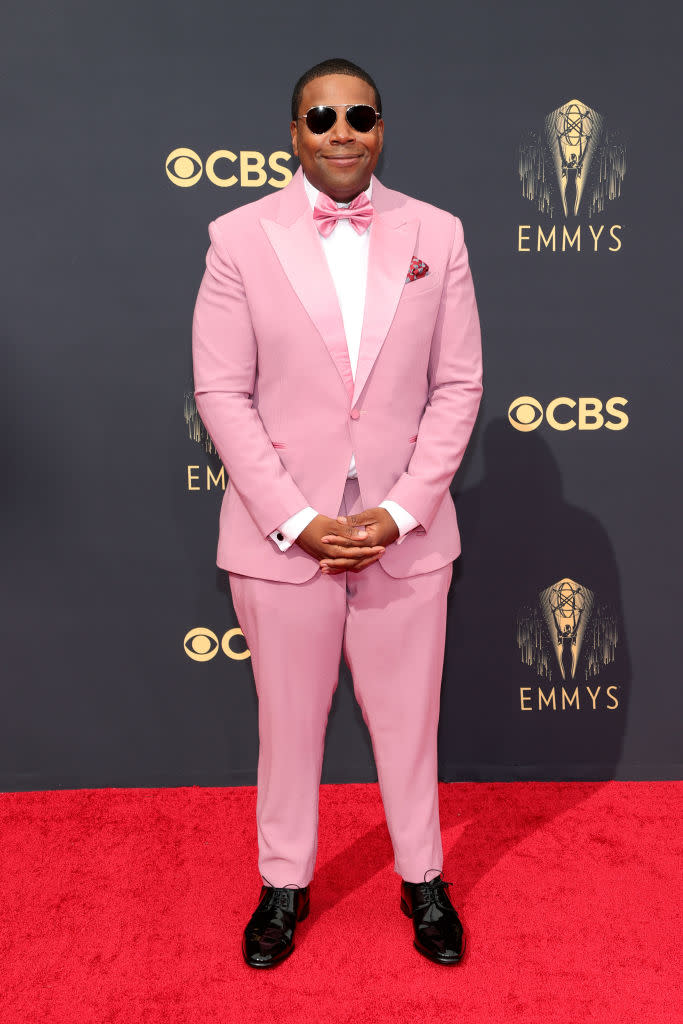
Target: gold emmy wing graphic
(195, 428)
(573, 160)
(566, 623)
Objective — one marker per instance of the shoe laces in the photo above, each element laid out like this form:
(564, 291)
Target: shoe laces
(431, 892)
(281, 897)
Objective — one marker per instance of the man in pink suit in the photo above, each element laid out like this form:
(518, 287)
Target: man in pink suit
(337, 366)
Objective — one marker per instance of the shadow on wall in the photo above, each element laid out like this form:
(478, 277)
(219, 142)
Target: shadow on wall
(534, 610)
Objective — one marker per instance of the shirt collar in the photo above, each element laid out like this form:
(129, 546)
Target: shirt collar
(312, 192)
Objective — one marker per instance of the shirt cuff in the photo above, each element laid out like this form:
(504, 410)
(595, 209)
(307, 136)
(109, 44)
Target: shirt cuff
(292, 527)
(403, 519)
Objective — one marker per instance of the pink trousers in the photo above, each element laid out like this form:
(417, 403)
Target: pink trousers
(392, 634)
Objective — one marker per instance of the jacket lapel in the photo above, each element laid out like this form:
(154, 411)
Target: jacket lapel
(392, 245)
(296, 242)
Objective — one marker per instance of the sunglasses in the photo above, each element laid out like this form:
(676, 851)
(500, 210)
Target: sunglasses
(360, 116)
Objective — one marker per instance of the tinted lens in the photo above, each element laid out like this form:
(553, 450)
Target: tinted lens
(320, 119)
(361, 117)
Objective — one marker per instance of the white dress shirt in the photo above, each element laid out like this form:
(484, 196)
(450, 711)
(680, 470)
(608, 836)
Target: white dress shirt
(347, 257)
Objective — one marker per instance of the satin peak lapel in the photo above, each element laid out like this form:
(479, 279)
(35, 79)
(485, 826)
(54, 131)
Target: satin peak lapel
(297, 247)
(392, 245)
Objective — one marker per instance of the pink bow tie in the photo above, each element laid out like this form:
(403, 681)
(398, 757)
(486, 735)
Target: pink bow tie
(326, 214)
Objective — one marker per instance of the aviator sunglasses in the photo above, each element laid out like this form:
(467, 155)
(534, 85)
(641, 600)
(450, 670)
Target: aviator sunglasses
(360, 116)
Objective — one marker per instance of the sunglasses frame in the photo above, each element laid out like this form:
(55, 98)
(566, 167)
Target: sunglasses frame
(346, 107)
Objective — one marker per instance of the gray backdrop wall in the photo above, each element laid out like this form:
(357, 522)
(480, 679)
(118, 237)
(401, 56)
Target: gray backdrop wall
(556, 139)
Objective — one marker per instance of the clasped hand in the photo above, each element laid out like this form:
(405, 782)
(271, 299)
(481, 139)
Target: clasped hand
(349, 543)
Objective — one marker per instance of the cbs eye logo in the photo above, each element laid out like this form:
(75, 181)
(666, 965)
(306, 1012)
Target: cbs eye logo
(202, 644)
(527, 413)
(184, 168)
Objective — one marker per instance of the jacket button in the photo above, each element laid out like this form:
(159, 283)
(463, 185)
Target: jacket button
(355, 414)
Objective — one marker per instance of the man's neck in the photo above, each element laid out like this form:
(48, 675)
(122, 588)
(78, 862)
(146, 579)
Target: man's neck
(312, 192)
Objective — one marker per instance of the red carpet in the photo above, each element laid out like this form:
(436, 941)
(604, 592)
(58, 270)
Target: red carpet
(127, 907)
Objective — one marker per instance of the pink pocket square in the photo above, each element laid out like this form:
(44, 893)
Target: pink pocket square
(418, 268)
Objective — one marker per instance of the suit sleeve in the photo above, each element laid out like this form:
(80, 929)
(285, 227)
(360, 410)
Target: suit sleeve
(455, 389)
(288, 531)
(224, 355)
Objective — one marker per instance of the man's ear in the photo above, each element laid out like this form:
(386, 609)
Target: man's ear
(293, 132)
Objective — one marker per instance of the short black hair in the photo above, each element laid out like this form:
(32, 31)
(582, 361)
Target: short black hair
(334, 66)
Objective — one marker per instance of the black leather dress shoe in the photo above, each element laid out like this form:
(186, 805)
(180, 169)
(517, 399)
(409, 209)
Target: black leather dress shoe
(438, 931)
(269, 936)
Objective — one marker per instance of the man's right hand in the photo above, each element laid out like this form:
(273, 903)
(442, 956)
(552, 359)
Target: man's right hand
(356, 558)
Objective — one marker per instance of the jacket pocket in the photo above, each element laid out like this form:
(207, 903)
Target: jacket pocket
(420, 285)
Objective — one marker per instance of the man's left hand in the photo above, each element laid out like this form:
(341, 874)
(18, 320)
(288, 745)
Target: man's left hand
(371, 528)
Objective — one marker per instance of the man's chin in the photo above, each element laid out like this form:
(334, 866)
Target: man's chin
(347, 181)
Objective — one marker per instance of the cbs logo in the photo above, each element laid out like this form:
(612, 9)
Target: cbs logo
(184, 168)
(527, 413)
(202, 644)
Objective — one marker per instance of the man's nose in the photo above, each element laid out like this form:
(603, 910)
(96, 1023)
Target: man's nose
(341, 130)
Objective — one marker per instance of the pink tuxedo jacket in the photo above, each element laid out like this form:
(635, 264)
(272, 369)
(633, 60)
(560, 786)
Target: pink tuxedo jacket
(274, 388)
